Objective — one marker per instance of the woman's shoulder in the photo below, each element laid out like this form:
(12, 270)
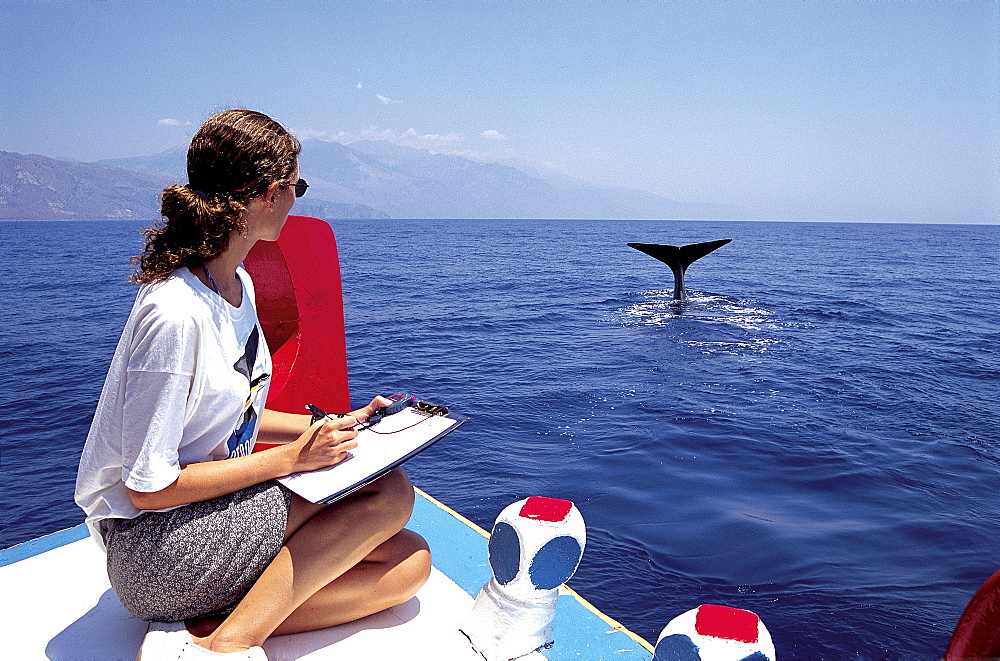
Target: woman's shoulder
(175, 298)
(244, 276)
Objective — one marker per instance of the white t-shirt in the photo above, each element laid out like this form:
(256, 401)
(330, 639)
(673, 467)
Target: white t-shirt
(187, 384)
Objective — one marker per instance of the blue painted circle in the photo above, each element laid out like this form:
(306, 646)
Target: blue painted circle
(505, 552)
(756, 656)
(677, 647)
(555, 562)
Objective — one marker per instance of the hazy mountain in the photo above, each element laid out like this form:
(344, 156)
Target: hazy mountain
(374, 179)
(388, 152)
(324, 200)
(36, 187)
(171, 164)
(457, 187)
(310, 206)
(418, 184)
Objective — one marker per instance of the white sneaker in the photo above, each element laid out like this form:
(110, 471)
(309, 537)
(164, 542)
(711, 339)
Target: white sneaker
(192, 652)
(170, 641)
(163, 641)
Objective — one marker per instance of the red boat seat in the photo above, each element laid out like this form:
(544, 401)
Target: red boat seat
(977, 635)
(301, 310)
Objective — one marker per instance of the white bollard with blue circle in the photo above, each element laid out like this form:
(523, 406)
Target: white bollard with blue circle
(715, 633)
(535, 547)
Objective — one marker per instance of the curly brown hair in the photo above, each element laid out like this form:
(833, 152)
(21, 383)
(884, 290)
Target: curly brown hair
(232, 159)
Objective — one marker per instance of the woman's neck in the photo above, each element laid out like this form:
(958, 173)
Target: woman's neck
(219, 273)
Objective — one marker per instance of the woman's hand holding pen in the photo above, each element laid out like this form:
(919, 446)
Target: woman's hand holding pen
(325, 443)
(329, 440)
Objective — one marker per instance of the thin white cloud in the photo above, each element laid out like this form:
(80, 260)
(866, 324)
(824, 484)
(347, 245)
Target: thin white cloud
(492, 135)
(481, 156)
(360, 85)
(431, 141)
(173, 122)
(373, 133)
(386, 100)
(345, 138)
(409, 138)
(311, 134)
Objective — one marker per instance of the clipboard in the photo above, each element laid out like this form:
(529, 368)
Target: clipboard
(381, 447)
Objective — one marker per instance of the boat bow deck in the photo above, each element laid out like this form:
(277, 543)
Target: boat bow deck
(60, 606)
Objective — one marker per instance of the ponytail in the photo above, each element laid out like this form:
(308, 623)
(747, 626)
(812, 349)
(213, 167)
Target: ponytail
(234, 156)
(195, 231)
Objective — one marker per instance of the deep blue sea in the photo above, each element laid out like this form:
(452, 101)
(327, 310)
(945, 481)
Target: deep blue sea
(811, 436)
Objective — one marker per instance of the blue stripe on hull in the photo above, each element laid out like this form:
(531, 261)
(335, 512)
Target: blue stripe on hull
(42, 544)
(457, 549)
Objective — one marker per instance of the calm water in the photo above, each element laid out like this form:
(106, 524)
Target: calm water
(811, 436)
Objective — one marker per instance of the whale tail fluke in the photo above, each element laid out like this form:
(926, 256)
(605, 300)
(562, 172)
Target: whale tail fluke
(678, 258)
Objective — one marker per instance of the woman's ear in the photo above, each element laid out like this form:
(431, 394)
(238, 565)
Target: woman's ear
(270, 193)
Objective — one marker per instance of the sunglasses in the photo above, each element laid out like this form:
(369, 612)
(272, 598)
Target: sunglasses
(300, 187)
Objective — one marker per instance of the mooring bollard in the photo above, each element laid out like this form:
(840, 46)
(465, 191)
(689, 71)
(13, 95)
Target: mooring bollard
(535, 547)
(715, 633)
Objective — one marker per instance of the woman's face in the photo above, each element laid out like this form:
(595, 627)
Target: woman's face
(277, 211)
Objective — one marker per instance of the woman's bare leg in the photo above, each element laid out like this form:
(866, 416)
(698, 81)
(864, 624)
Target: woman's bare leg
(339, 562)
(390, 575)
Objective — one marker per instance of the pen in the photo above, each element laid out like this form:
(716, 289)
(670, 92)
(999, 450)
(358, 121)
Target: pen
(317, 413)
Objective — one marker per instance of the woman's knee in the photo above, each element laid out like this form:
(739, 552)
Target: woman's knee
(411, 556)
(410, 544)
(393, 495)
(397, 484)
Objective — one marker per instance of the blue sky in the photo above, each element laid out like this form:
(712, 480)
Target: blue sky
(794, 110)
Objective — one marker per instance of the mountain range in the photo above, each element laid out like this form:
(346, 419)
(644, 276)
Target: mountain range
(369, 179)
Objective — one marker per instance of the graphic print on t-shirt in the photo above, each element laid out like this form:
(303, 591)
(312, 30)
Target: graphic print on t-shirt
(240, 443)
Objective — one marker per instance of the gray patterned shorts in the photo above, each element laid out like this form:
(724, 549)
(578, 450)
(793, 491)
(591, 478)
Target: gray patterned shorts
(199, 559)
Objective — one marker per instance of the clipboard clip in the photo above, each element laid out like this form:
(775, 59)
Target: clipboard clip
(431, 409)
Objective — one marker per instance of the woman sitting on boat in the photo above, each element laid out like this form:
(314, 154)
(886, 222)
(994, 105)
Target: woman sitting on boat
(195, 526)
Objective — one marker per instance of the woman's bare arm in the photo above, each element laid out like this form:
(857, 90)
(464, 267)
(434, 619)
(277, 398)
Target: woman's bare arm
(322, 444)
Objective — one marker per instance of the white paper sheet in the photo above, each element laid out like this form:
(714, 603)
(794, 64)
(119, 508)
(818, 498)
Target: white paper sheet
(387, 444)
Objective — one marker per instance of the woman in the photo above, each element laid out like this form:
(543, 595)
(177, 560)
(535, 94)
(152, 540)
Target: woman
(195, 526)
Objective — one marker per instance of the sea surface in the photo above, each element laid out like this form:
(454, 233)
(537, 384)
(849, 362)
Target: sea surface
(811, 436)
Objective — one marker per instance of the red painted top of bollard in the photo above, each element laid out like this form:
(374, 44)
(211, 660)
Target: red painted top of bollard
(545, 509)
(727, 623)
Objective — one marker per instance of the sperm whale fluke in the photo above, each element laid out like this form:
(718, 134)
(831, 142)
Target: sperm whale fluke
(678, 258)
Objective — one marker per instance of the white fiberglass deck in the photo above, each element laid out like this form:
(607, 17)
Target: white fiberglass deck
(59, 605)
